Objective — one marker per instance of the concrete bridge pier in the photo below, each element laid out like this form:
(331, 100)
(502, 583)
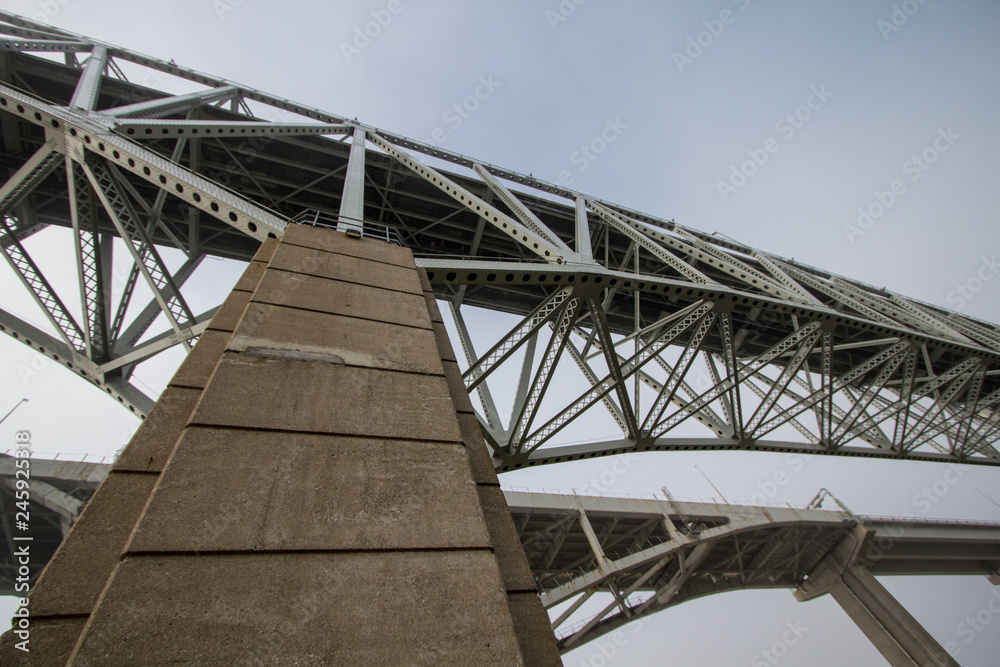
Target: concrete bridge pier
(312, 488)
(901, 640)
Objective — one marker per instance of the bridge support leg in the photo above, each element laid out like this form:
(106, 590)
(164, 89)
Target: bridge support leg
(895, 633)
(901, 640)
(327, 498)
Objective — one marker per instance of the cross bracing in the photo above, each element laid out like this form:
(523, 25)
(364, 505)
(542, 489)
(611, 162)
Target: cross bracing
(627, 558)
(668, 337)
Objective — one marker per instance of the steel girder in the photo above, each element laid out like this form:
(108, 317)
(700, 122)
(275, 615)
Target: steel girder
(648, 554)
(661, 335)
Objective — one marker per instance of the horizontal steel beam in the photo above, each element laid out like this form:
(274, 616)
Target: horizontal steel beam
(163, 129)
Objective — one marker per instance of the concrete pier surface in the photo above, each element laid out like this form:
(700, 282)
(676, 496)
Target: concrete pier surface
(311, 488)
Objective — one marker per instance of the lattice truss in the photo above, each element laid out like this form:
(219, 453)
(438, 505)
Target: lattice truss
(602, 563)
(653, 335)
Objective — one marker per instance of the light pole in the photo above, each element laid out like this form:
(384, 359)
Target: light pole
(713, 485)
(23, 400)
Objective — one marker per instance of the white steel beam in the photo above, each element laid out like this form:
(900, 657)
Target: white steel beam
(143, 253)
(523, 213)
(622, 225)
(352, 201)
(607, 384)
(89, 86)
(583, 243)
(195, 190)
(500, 220)
(485, 397)
(145, 128)
(42, 45)
(542, 313)
(166, 106)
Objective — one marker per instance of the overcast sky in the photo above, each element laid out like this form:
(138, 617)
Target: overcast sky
(878, 107)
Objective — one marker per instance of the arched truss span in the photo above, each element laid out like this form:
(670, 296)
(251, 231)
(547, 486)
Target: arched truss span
(615, 322)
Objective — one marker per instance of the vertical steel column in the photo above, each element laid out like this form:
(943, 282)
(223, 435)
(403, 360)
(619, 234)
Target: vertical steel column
(89, 86)
(352, 203)
(583, 246)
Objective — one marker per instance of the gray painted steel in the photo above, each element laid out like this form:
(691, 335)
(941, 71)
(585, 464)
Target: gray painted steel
(800, 359)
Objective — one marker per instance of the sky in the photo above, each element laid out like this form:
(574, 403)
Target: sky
(859, 137)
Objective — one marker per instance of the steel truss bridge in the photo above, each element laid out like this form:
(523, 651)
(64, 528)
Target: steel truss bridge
(678, 339)
(787, 357)
(652, 554)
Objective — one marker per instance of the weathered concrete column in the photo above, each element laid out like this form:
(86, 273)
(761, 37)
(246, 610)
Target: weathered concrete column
(895, 633)
(328, 500)
(67, 591)
(532, 624)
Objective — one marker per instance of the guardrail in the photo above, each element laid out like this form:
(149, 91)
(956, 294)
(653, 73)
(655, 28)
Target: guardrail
(562, 632)
(642, 496)
(368, 229)
(75, 457)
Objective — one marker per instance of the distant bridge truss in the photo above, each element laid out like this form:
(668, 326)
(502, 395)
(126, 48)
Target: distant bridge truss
(652, 554)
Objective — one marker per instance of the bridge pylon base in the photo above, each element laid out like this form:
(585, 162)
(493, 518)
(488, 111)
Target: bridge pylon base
(312, 488)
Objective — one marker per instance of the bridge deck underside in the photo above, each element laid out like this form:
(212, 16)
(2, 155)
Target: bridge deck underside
(294, 174)
(677, 338)
(645, 567)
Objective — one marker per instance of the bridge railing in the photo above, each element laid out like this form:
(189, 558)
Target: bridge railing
(77, 457)
(371, 230)
(644, 496)
(564, 631)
